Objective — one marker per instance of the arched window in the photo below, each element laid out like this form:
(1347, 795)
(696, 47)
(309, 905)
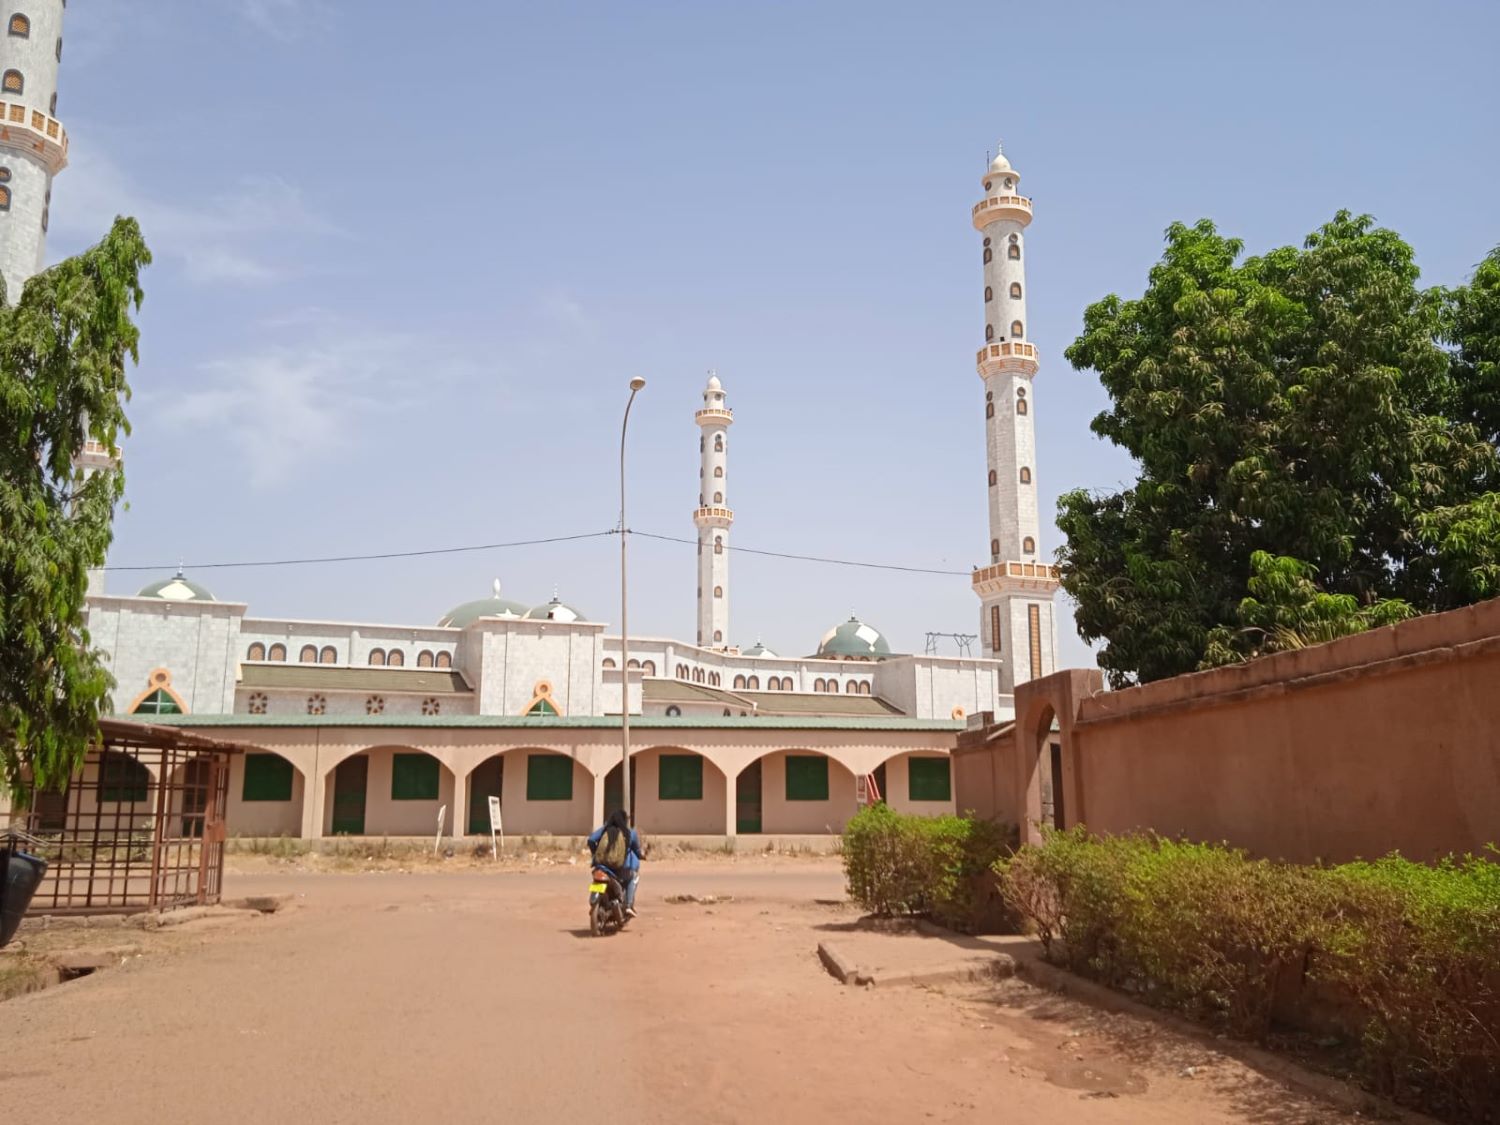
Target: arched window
(648, 667)
(713, 677)
(718, 544)
(396, 659)
(673, 712)
(718, 470)
(309, 654)
(1013, 252)
(718, 498)
(752, 683)
(377, 657)
(4, 199)
(989, 331)
(328, 655)
(819, 684)
(159, 702)
(257, 652)
(718, 443)
(718, 639)
(1016, 329)
(718, 593)
(994, 550)
(277, 653)
(989, 294)
(698, 676)
(444, 660)
(988, 255)
(425, 659)
(682, 672)
(122, 779)
(4, 175)
(1025, 475)
(1021, 407)
(851, 688)
(739, 683)
(609, 662)
(13, 83)
(986, 241)
(1015, 289)
(994, 478)
(989, 410)
(1029, 545)
(20, 26)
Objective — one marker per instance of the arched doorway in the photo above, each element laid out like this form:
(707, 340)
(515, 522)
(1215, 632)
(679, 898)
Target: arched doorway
(487, 780)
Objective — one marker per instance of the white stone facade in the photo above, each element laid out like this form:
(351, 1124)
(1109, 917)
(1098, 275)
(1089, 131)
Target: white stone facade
(33, 144)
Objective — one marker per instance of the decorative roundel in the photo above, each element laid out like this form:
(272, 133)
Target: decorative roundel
(986, 185)
(958, 712)
(543, 687)
(1009, 183)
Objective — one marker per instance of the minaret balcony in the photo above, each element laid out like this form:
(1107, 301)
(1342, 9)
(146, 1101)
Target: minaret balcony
(714, 416)
(1015, 357)
(1016, 577)
(713, 517)
(31, 130)
(1016, 208)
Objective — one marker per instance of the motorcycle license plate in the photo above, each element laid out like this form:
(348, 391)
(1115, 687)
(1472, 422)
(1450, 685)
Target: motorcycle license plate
(597, 888)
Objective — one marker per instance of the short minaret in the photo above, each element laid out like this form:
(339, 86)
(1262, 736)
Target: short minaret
(1016, 588)
(33, 143)
(713, 517)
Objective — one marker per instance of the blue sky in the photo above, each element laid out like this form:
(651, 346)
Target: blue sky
(408, 256)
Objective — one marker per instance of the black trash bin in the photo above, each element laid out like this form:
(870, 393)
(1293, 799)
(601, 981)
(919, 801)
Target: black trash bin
(20, 875)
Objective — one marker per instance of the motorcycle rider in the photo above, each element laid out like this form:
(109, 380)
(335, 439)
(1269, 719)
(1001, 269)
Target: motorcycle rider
(616, 846)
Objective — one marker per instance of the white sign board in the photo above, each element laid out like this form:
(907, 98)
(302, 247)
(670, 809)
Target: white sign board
(442, 816)
(496, 826)
(861, 790)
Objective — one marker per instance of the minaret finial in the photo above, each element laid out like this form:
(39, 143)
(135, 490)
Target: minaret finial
(496, 587)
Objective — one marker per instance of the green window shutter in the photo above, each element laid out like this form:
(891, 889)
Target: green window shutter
(549, 777)
(123, 780)
(680, 777)
(929, 779)
(806, 777)
(414, 777)
(542, 707)
(157, 703)
(268, 777)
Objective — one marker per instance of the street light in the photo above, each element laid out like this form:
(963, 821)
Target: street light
(635, 385)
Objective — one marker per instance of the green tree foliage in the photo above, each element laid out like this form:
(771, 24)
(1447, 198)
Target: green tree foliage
(1300, 404)
(63, 348)
(1286, 610)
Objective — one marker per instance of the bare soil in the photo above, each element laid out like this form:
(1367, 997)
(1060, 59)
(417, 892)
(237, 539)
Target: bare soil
(480, 997)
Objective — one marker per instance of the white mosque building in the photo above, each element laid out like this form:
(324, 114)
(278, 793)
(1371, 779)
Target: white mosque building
(369, 728)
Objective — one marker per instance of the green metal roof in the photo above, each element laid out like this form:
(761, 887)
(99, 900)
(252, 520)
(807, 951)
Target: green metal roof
(570, 722)
(324, 677)
(176, 589)
(792, 702)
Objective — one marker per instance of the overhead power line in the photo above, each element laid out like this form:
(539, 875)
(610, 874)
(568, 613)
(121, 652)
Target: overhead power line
(475, 547)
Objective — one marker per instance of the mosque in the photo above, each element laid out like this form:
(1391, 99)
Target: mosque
(378, 729)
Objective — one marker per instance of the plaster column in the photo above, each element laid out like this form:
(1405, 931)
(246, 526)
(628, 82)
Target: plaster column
(598, 798)
(314, 793)
(731, 791)
(460, 811)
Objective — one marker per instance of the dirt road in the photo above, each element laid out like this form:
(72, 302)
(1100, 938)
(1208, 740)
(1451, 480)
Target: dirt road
(481, 998)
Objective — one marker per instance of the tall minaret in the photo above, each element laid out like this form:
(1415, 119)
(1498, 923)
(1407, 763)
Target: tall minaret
(713, 517)
(33, 143)
(1017, 587)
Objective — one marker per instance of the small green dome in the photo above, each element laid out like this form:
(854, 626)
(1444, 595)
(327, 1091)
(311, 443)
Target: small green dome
(492, 606)
(853, 639)
(758, 649)
(176, 589)
(555, 611)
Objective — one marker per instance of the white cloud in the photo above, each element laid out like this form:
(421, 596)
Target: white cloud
(283, 19)
(294, 403)
(227, 237)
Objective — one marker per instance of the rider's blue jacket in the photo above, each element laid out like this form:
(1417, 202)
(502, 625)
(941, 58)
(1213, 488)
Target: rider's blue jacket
(632, 857)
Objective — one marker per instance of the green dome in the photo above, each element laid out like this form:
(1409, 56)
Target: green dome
(853, 639)
(555, 611)
(176, 589)
(492, 606)
(758, 649)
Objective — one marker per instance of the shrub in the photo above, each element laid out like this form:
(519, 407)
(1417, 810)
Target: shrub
(1206, 930)
(938, 866)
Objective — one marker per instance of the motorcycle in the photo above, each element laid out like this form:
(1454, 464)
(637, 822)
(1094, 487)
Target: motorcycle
(606, 903)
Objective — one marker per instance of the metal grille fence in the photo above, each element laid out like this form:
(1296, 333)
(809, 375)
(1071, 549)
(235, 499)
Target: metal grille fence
(140, 826)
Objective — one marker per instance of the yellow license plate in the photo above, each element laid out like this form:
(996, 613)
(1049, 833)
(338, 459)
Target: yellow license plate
(597, 888)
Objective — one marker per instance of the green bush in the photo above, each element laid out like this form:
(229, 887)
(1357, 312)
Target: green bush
(1413, 949)
(938, 866)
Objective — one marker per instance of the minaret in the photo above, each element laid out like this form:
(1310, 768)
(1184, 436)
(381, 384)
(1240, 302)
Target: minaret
(713, 517)
(33, 143)
(1016, 588)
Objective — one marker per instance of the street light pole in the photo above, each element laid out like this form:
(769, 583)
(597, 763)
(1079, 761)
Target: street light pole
(635, 385)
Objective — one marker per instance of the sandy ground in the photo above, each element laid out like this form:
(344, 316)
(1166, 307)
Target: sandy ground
(480, 997)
